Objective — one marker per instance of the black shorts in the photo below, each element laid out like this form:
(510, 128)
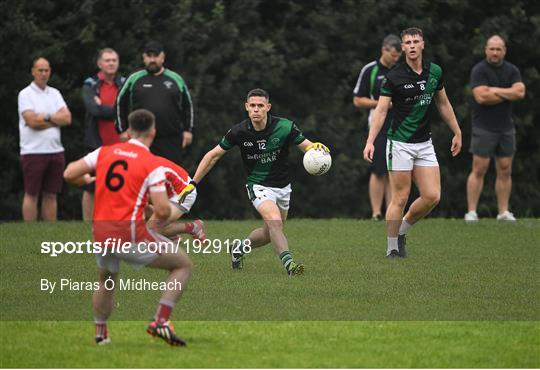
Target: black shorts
(169, 147)
(378, 166)
(493, 144)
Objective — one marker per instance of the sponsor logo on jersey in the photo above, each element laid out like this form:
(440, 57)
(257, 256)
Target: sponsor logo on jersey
(121, 152)
(147, 85)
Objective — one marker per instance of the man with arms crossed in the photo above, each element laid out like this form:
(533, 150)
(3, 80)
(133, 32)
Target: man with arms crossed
(126, 177)
(495, 84)
(411, 87)
(264, 142)
(366, 95)
(42, 111)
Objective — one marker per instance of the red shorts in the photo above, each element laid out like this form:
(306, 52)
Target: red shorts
(43, 172)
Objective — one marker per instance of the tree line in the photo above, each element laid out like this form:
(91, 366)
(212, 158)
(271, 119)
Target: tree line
(307, 54)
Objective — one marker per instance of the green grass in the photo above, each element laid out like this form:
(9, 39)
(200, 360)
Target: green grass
(467, 296)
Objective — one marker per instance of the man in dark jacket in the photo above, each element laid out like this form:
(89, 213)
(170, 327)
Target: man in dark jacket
(99, 95)
(165, 94)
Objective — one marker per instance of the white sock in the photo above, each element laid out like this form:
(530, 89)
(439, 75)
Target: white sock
(392, 245)
(404, 228)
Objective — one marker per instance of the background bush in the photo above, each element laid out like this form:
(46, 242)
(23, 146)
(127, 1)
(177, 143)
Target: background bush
(307, 54)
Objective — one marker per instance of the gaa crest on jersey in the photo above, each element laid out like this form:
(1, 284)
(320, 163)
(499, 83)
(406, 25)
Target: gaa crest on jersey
(168, 84)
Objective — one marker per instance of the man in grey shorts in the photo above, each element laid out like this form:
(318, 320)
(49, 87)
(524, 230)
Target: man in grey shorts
(495, 84)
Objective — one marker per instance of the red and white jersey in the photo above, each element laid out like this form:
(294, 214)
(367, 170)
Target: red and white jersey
(126, 173)
(176, 177)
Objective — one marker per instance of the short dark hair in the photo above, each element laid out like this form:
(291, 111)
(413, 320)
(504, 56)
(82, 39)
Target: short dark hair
(258, 92)
(412, 31)
(141, 120)
(391, 41)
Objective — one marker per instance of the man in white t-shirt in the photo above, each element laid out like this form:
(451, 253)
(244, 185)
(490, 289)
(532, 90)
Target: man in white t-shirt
(42, 111)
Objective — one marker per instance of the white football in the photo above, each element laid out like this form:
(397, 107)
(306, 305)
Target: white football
(317, 162)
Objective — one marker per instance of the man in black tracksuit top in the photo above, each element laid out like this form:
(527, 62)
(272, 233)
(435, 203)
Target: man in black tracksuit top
(164, 93)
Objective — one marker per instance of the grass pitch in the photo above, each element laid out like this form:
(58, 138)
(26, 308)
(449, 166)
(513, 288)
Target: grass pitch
(467, 296)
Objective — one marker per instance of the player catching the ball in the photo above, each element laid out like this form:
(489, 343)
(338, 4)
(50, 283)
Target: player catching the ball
(264, 142)
(414, 88)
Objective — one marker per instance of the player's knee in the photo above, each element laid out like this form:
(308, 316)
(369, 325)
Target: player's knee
(432, 198)
(186, 264)
(274, 225)
(399, 201)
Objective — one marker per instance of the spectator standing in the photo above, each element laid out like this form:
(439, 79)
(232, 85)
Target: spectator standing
(42, 111)
(164, 93)
(99, 96)
(495, 84)
(366, 95)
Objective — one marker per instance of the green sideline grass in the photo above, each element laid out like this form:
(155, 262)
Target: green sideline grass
(292, 344)
(467, 296)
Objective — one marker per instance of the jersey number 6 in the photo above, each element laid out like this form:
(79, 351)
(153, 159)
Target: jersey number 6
(114, 180)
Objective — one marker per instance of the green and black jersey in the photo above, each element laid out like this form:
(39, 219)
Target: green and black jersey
(166, 95)
(265, 152)
(412, 100)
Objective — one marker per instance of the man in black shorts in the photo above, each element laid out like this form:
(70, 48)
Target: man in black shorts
(495, 84)
(264, 142)
(366, 94)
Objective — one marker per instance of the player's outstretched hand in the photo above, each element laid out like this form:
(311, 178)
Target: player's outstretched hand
(368, 152)
(318, 146)
(190, 188)
(456, 145)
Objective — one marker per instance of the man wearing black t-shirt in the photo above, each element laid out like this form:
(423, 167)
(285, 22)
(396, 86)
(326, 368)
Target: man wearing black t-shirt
(165, 94)
(415, 88)
(495, 84)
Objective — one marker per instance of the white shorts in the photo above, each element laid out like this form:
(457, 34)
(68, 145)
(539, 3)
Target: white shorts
(404, 156)
(137, 257)
(258, 194)
(186, 205)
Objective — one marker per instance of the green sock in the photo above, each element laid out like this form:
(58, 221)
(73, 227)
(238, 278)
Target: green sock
(286, 259)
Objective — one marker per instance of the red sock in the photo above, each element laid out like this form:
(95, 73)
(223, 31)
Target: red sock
(189, 226)
(101, 330)
(163, 313)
